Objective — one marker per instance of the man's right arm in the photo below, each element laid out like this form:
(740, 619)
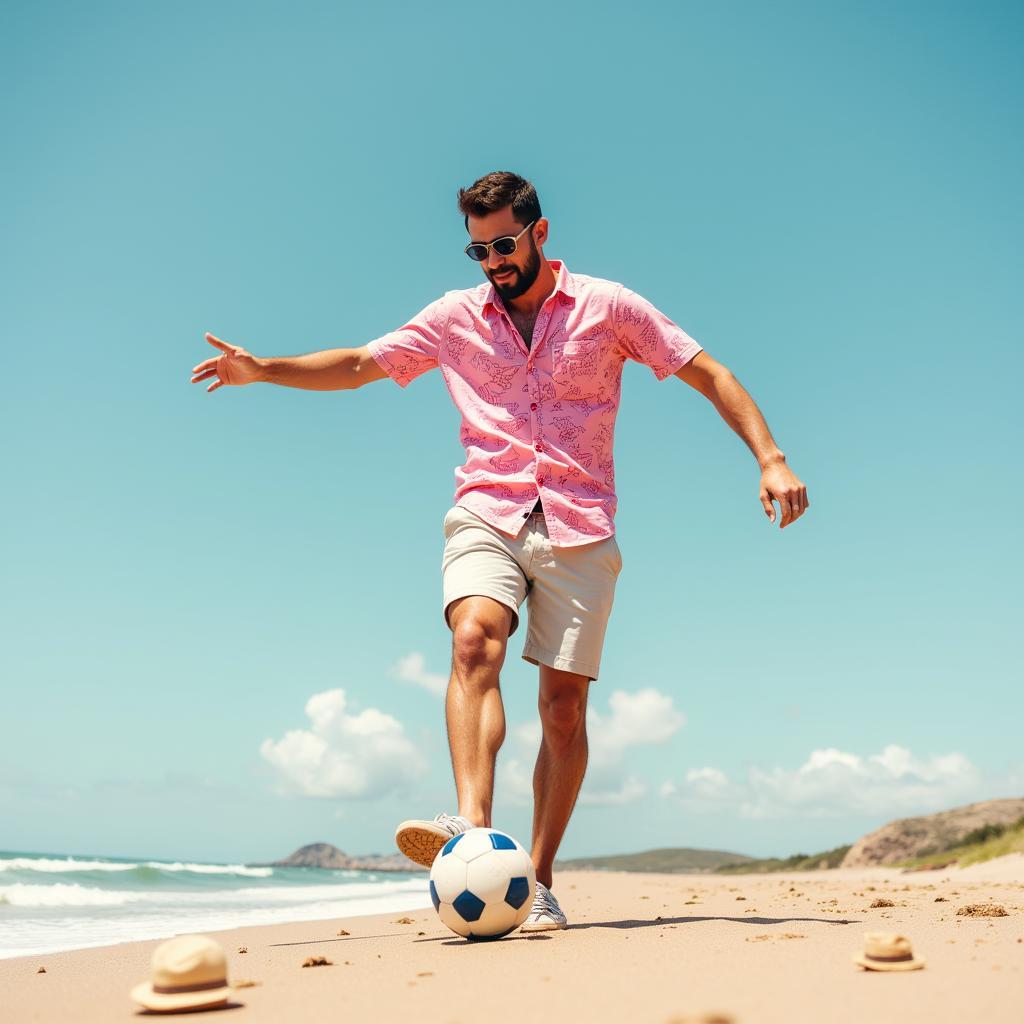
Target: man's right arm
(336, 369)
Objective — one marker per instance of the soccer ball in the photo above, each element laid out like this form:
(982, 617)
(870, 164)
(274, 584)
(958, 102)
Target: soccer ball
(482, 884)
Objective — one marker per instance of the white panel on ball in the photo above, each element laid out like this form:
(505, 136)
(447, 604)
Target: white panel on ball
(489, 876)
(473, 843)
(497, 919)
(451, 918)
(449, 877)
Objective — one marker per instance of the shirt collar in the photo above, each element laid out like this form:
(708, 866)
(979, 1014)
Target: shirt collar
(564, 285)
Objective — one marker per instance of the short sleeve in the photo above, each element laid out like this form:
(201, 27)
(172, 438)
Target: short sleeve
(411, 350)
(648, 336)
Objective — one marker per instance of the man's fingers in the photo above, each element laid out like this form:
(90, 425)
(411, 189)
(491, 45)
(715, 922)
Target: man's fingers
(798, 502)
(792, 503)
(204, 375)
(217, 343)
(786, 510)
(205, 364)
(216, 384)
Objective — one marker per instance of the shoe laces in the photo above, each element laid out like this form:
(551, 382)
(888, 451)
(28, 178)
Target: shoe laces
(452, 822)
(544, 901)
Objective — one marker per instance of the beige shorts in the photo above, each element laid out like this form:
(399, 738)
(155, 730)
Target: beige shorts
(569, 590)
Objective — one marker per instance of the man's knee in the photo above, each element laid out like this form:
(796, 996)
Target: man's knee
(563, 709)
(479, 634)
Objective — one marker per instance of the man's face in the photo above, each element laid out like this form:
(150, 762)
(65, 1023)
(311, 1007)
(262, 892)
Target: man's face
(513, 275)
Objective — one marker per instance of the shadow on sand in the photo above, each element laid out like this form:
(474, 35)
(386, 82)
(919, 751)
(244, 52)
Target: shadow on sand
(658, 922)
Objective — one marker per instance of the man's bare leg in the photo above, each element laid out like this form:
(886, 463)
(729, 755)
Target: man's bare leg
(473, 706)
(561, 762)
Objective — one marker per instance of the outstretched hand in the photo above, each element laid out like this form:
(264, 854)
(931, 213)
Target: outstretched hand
(234, 366)
(779, 483)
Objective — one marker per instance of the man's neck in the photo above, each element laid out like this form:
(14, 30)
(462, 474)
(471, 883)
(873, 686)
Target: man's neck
(528, 304)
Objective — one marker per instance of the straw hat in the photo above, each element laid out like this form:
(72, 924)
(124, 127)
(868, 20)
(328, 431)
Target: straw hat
(886, 951)
(189, 972)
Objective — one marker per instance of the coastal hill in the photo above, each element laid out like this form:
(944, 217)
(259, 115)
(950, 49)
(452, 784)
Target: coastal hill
(910, 838)
(323, 855)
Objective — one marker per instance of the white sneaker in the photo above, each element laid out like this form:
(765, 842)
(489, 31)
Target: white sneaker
(421, 841)
(545, 914)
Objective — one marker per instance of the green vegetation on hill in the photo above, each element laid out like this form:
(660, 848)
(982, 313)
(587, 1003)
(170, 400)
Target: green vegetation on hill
(679, 861)
(977, 846)
(798, 862)
(669, 861)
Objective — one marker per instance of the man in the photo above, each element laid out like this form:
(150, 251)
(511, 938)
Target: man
(533, 361)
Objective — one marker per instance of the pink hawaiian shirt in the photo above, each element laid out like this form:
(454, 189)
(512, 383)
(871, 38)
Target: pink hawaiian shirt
(538, 421)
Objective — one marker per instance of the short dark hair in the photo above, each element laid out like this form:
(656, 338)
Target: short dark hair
(497, 190)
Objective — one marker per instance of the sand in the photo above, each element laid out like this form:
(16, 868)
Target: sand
(676, 949)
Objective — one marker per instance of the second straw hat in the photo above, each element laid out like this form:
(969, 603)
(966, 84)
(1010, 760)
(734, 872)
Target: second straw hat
(886, 951)
(189, 972)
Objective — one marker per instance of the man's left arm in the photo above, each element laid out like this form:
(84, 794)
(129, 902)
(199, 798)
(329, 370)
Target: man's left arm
(778, 482)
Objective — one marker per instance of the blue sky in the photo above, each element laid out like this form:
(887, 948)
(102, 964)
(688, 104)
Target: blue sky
(827, 199)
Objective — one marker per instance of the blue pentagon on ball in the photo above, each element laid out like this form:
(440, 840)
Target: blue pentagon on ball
(469, 907)
(518, 893)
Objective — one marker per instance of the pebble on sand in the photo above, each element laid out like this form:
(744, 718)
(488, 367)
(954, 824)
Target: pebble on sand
(317, 961)
(982, 910)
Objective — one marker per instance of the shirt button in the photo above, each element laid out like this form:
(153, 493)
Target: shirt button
(533, 406)
(539, 447)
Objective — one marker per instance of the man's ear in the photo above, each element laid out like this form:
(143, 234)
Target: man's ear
(541, 231)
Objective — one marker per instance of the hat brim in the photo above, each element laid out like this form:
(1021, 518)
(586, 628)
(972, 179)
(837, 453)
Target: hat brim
(169, 1001)
(899, 965)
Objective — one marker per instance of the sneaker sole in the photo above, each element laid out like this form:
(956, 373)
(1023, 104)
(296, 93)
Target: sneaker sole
(543, 926)
(419, 842)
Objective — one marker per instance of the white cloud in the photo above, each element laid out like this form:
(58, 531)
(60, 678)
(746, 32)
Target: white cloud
(357, 756)
(604, 793)
(645, 717)
(412, 669)
(834, 783)
(706, 781)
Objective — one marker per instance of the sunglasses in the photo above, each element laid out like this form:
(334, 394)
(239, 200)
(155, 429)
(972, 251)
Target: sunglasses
(502, 246)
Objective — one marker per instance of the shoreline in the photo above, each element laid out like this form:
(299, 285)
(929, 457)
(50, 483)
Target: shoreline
(751, 948)
(382, 905)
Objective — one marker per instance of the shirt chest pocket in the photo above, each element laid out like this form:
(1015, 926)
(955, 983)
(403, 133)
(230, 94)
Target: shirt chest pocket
(576, 366)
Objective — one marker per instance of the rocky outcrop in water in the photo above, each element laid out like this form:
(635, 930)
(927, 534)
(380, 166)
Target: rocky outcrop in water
(323, 855)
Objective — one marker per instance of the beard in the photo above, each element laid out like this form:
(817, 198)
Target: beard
(522, 280)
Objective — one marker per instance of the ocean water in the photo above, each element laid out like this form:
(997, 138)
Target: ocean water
(54, 902)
